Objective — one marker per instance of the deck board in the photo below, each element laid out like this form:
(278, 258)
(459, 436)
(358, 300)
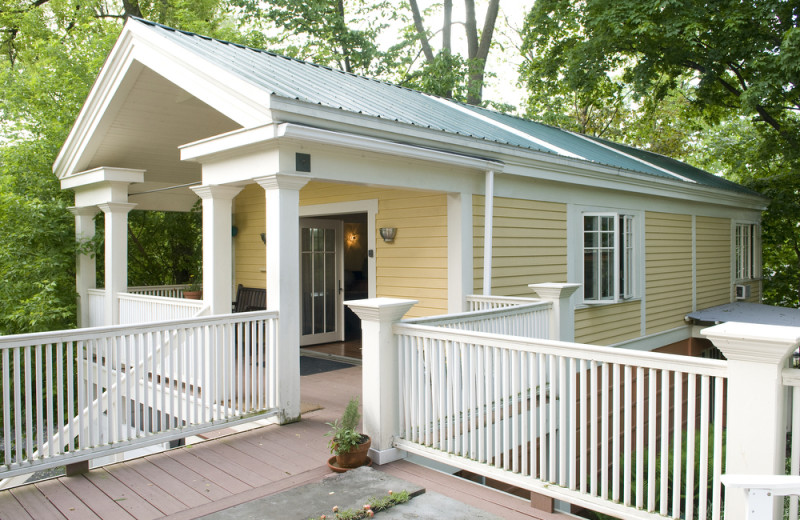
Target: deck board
(193, 481)
(65, 501)
(102, 505)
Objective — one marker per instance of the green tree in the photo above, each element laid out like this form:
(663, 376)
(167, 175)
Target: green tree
(50, 54)
(732, 68)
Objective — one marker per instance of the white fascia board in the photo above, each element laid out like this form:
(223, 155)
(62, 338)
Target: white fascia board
(229, 94)
(383, 146)
(518, 161)
(229, 143)
(106, 86)
(102, 174)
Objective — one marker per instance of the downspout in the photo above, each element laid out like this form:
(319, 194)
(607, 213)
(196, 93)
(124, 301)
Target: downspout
(487, 233)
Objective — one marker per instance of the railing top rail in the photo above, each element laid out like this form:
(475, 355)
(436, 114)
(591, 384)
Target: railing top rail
(156, 287)
(23, 340)
(164, 299)
(791, 376)
(95, 290)
(477, 315)
(509, 299)
(656, 360)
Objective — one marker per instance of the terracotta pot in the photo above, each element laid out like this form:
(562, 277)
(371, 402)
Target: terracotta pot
(357, 456)
(193, 295)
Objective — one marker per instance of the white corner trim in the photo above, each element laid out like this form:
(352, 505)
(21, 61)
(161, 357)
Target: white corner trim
(509, 129)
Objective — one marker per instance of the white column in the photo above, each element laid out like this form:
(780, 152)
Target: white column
(282, 192)
(217, 241)
(562, 318)
(459, 250)
(116, 253)
(85, 265)
(755, 443)
(380, 398)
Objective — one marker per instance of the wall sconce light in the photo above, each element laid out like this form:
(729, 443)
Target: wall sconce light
(352, 239)
(264, 238)
(388, 233)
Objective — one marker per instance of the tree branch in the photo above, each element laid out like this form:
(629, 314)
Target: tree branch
(420, 27)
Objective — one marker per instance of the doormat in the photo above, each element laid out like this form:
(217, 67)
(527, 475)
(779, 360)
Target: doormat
(314, 365)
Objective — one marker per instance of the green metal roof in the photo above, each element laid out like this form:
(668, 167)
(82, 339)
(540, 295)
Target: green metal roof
(304, 81)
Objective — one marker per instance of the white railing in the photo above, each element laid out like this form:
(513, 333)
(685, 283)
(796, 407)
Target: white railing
(70, 396)
(97, 307)
(791, 380)
(167, 291)
(528, 320)
(479, 302)
(604, 428)
(140, 308)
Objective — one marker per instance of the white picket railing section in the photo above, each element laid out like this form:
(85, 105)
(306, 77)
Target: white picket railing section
(479, 302)
(527, 320)
(69, 396)
(141, 308)
(791, 380)
(97, 309)
(599, 427)
(167, 291)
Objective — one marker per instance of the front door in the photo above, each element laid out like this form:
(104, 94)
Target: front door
(321, 275)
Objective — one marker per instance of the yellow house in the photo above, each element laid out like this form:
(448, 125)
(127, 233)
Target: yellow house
(341, 187)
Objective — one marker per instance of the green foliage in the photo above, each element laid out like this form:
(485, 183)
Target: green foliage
(376, 505)
(344, 436)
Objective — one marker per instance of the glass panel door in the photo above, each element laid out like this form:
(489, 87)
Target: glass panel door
(321, 281)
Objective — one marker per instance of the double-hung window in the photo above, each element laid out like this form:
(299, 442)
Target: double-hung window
(608, 257)
(746, 259)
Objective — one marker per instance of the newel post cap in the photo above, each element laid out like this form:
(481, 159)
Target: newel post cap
(554, 291)
(381, 309)
(754, 342)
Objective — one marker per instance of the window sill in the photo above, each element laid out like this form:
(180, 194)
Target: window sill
(587, 305)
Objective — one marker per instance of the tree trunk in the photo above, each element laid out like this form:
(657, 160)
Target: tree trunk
(421, 32)
(479, 48)
(446, 28)
(131, 8)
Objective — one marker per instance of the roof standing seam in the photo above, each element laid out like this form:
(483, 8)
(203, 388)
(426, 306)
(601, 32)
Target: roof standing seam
(308, 82)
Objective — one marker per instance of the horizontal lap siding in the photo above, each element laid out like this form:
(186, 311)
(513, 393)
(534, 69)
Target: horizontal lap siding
(668, 243)
(608, 324)
(529, 244)
(249, 208)
(713, 261)
(413, 266)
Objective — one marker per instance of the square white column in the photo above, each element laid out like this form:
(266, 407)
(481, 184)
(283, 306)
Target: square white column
(217, 242)
(282, 191)
(116, 253)
(85, 264)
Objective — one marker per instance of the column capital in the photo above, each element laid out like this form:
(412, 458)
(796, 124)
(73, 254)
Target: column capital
(117, 207)
(84, 211)
(381, 309)
(754, 343)
(283, 181)
(216, 191)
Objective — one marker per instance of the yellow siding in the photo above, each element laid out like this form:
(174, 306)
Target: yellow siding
(713, 246)
(249, 216)
(529, 244)
(668, 243)
(414, 266)
(608, 324)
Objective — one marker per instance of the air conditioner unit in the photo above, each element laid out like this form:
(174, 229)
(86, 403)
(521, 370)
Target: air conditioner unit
(742, 292)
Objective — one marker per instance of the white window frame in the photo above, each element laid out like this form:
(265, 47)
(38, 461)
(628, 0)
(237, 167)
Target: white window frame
(626, 256)
(746, 251)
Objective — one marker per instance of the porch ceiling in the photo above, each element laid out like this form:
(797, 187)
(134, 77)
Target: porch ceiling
(152, 120)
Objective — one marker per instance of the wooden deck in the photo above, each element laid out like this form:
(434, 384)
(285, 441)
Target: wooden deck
(196, 480)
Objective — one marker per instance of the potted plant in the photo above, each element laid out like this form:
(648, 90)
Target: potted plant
(194, 291)
(349, 446)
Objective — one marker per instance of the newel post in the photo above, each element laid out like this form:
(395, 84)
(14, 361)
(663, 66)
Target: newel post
(380, 383)
(562, 319)
(756, 443)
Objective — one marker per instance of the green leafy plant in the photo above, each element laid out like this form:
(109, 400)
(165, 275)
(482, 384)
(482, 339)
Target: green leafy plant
(344, 436)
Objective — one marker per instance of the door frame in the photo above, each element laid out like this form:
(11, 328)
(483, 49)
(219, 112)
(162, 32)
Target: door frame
(368, 206)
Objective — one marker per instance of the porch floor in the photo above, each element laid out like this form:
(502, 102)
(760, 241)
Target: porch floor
(196, 480)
